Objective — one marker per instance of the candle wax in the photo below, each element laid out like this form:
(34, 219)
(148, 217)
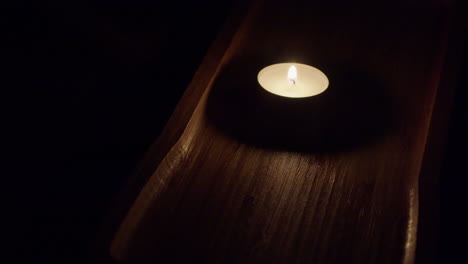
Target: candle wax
(309, 81)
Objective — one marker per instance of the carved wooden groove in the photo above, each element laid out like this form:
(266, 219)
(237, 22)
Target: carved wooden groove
(256, 178)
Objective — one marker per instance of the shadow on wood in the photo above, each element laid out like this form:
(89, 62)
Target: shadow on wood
(354, 110)
(199, 205)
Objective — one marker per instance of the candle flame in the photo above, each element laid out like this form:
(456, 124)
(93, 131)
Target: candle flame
(292, 74)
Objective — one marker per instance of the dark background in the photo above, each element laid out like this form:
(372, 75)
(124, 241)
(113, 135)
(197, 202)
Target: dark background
(87, 87)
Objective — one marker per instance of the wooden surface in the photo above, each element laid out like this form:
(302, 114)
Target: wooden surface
(256, 178)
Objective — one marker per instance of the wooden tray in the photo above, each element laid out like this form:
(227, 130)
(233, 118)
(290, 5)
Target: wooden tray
(243, 176)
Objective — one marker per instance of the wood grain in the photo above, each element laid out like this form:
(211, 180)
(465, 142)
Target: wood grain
(256, 178)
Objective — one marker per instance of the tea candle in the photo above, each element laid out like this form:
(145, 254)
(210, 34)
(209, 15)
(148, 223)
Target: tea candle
(292, 80)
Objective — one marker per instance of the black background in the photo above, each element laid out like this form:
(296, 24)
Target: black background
(87, 87)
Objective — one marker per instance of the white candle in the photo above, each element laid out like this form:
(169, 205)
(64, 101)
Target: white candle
(293, 80)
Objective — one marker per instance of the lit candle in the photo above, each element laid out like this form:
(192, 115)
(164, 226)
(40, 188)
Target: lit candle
(293, 80)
